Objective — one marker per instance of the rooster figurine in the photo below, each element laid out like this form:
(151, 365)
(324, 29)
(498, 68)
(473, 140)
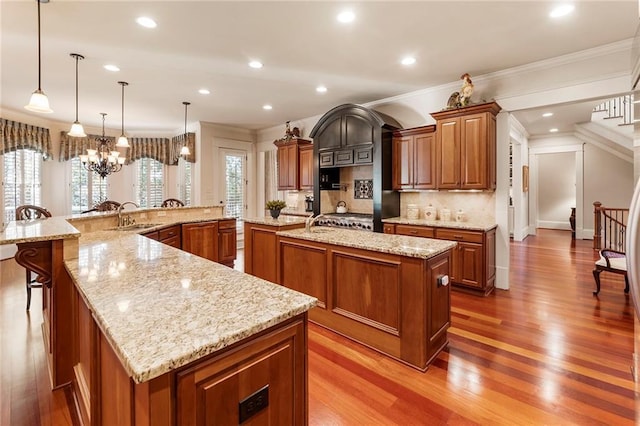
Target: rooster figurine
(467, 89)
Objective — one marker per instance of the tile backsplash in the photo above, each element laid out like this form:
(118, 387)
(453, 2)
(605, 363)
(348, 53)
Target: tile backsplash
(476, 205)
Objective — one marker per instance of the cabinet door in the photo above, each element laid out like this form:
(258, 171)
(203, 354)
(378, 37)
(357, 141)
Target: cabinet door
(424, 161)
(473, 152)
(469, 267)
(342, 158)
(201, 239)
(357, 130)
(227, 246)
(287, 167)
(305, 168)
(448, 148)
(402, 162)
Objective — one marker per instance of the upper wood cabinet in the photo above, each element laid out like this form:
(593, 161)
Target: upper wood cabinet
(291, 171)
(414, 158)
(466, 147)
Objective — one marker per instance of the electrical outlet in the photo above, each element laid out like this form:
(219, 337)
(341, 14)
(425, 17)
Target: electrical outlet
(253, 404)
(162, 213)
(443, 280)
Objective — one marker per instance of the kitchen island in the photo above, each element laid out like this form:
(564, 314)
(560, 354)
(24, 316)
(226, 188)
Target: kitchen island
(388, 292)
(159, 336)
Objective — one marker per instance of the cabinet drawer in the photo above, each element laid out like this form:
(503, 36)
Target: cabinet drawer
(363, 155)
(171, 232)
(172, 241)
(415, 231)
(459, 235)
(326, 159)
(341, 158)
(227, 224)
(389, 228)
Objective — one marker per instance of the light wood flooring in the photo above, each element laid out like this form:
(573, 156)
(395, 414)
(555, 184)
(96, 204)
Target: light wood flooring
(545, 352)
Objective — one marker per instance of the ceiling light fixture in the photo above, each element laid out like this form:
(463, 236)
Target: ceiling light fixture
(321, 89)
(146, 22)
(562, 10)
(204, 91)
(547, 114)
(77, 131)
(554, 130)
(39, 101)
(267, 107)
(256, 64)
(184, 151)
(112, 68)
(408, 60)
(102, 161)
(123, 142)
(346, 17)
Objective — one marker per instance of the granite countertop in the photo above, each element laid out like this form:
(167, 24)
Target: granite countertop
(161, 308)
(51, 228)
(472, 225)
(280, 221)
(401, 245)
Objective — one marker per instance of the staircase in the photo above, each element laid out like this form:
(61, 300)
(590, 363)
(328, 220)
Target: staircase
(619, 109)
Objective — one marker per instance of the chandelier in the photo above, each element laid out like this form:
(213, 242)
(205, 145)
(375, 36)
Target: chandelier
(102, 161)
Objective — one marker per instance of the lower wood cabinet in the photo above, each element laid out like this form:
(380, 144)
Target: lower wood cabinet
(171, 236)
(201, 239)
(473, 261)
(227, 246)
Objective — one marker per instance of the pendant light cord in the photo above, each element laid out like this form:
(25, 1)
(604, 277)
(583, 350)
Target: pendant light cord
(39, 60)
(77, 58)
(123, 83)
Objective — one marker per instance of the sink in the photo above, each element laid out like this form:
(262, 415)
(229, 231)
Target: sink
(136, 226)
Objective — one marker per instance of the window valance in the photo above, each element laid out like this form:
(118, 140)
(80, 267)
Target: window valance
(156, 148)
(177, 142)
(15, 135)
(71, 147)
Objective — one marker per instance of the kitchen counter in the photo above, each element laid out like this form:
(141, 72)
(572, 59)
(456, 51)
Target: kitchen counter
(468, 224)
(400, 245)
(279, 222)
(52, 228)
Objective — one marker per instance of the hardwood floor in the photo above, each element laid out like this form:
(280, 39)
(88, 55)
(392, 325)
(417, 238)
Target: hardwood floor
(545, 352)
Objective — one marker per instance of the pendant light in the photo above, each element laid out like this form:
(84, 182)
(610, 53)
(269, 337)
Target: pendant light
(123, 142)
(77, 130)
(184, 151)
(39, 101)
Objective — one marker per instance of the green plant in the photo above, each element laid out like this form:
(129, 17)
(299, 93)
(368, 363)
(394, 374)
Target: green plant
(276, 205)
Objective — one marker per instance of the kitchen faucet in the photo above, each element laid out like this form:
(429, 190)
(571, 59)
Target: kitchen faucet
(310, 221)
(126, 220)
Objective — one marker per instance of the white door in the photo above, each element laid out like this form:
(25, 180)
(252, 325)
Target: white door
(234, 178)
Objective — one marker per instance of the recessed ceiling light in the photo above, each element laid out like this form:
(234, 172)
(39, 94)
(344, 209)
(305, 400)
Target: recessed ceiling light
(267, 107)
(408, 60)
(321, 89)
(146, 22)
(255, 64)
(562, 10)
(547, 114)
(346, 17)
(553, 130)
(204, 91)
(111, 67)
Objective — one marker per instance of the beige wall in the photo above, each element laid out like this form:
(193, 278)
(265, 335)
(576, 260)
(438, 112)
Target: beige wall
(556, 189)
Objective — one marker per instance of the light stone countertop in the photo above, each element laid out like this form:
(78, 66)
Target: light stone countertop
(468, 224)
(161, 308)
(280, 221)
(401, 245)
(51, 228)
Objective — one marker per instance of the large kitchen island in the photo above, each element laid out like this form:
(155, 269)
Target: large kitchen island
(154, 335)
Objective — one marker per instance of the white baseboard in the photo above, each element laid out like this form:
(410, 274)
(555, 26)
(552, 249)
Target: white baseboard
(584, 234)
(502, 278)
(550, 224)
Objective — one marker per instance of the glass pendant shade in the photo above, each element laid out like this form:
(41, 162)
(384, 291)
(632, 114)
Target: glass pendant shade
(39, 103)
(77, 131)
(185, 150)
(123, 142)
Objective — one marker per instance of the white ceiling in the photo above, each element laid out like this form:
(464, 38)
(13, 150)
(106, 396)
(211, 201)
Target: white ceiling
(209, 43)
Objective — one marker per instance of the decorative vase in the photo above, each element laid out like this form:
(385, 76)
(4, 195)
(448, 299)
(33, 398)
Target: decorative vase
(275, 213)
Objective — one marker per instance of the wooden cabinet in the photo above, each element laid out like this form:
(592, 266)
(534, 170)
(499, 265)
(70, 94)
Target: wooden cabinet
(290, 170)
(201, 239)
(260, 247)
(171, 236)
(227, 246)
(394, 304)
(466, 147)
(473, 262)
(414, 158)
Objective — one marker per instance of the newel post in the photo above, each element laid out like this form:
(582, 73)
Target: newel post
(597, 225)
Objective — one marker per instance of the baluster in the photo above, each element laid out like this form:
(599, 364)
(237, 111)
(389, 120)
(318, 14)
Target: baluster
(597, 225)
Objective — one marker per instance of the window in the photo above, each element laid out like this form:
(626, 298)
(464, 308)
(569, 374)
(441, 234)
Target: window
(235, 188)
(150, 182)
(185, 181)
(22, 180)
(87, 188)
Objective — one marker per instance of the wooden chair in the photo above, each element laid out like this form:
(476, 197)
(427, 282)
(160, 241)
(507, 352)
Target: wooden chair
(611, 261)
(172, 202)
(105, 206)
(30, 212)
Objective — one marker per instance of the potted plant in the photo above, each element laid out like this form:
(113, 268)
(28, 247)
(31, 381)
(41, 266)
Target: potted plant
(274, 207)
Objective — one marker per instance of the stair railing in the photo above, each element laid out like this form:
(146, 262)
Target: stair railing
(610, 227)
(620, 107)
